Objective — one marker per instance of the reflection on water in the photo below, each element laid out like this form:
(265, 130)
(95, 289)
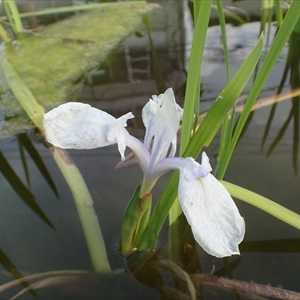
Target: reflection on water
(270, 252)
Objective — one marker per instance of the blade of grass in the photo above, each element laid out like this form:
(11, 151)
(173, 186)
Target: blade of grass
(219, 110)
(16, 17)
(4, 35)
(202, 11)
(21, 190)
(12, 269)
(157, 69)
(24, 162)
(231, 14)
(32, 108)
(263, 203)
(34, 154)
(226, 130)
(280, 40)
(224, 38)
(279, 14)
(8, 16)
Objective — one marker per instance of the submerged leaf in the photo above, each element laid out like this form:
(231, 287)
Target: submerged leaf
(23, 192)
(34, 154)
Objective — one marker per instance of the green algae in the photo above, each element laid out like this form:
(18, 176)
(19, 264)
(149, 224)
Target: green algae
(53, 62)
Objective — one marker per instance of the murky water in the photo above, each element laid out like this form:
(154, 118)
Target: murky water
(270, 251)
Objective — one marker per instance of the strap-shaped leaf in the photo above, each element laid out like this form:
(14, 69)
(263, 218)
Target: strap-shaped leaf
(19, 187)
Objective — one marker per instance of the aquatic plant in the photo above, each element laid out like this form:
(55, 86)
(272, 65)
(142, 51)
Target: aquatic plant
(156, 155)
(216, 223)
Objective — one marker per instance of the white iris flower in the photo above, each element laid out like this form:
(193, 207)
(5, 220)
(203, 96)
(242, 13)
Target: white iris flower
(212, 214)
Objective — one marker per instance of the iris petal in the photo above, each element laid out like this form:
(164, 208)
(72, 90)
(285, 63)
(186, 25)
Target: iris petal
(77, 125)
(214, 218)
(116, 132)
(161, 119)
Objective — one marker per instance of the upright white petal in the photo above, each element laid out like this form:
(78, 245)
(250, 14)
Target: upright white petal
(77, 125)
(162, 120)
(214, 218)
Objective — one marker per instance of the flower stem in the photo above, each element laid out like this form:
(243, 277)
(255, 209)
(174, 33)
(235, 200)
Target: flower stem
(85, 209)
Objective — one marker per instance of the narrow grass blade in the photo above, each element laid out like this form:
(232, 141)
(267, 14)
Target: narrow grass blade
(16, 17)
(34, 154)
(4, 35)
(279, 14)
(280, 39)
(202, 11)
(231, 14)
(157, 70)
(9, 17)
(224, 38)
(263, 203)
(22, 191)
(226, 130)
(24, 163)
(219, 110)
(23, 94)
(12, 269)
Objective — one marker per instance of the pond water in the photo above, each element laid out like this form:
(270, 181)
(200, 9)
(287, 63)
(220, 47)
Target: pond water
(270, 252)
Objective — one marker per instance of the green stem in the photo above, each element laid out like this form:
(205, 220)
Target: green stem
(4, 34)
(85, 208)
(16, 17)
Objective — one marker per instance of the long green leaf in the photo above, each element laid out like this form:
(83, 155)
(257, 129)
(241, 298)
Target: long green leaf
(16, 16)
(8, 16)
(23, 94)
(202, 11)
(263, 203)
(232, 15)
(12, 269)
(22, 191)
(34, 154)
(219, 110)
(224, 38)
(203, 136)
(193, 79)
(280, 40)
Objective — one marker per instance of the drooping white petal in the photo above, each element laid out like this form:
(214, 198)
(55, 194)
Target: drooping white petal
(214, 218)
(77, 125)
(161, 119)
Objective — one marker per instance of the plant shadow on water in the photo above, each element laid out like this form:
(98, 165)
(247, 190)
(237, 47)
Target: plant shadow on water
(49, 237)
